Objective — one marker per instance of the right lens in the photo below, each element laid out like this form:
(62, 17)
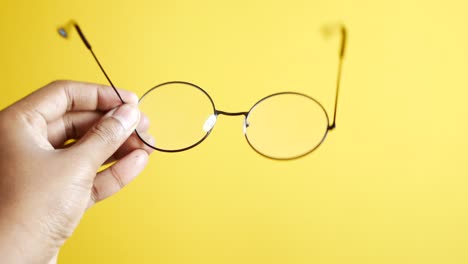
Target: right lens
(286, 125)
(181, 115)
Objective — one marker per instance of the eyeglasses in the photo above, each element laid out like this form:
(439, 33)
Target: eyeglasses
(281, 126)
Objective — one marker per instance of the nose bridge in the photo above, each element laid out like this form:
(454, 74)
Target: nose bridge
(210, 123)
(218, 112)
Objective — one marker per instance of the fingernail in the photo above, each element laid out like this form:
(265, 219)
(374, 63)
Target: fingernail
(132, 99)
(149, 139)
(128, 115)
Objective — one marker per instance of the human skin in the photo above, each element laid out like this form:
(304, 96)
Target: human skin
(46, 185)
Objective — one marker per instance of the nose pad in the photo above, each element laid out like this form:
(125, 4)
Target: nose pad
(209, 123)
(246, 125)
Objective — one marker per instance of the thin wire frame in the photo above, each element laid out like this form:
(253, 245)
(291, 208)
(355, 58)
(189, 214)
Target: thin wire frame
(327, 30)
(296, 156)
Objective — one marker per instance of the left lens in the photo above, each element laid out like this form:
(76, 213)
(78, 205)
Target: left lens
(286, 125)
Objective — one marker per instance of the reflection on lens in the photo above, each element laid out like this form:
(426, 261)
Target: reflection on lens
(286, 125)
(180, 115)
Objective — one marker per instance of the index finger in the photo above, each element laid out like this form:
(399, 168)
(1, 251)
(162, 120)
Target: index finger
(59, 97)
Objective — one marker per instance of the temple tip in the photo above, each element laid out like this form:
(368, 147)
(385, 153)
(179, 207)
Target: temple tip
(330, 29)
(62, 32)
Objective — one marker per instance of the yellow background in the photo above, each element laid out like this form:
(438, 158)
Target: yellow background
(389, 185)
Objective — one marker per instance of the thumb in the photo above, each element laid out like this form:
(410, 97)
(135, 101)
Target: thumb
(106, 136)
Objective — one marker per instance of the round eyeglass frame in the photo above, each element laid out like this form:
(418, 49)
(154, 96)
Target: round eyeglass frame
(245, 114)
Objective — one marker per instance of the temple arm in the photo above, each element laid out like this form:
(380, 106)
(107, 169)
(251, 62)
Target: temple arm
(328, 30)
(64, 31)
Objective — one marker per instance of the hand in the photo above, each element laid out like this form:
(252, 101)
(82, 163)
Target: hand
(46, 185)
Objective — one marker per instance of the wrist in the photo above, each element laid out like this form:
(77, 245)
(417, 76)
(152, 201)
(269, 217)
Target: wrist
(19, 243)
(54, 259)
